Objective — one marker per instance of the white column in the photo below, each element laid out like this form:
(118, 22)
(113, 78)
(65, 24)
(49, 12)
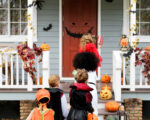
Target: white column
(125, 27)
(46, 68)
(132, 20)
(30, 36)
(132, 38)
(30, 23)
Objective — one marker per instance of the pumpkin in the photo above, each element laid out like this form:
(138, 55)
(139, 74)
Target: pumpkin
(105, 94)
(121, 80)
(92, 117)
(105, 78)
(124, 41)
(147, 48)
(112, 106)
(40, 81)
(45, 47)
(106, 87)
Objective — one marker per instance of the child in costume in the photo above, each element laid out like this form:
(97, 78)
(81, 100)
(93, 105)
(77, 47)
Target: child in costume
(58, 100)
(89, 59)
(80, 97)
(42, 112)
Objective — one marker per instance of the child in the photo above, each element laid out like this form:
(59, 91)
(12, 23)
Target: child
(87, 45)
(80, 97)
(58, 100)
(42, 112)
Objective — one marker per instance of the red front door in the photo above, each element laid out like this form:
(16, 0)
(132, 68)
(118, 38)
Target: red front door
(79, 16)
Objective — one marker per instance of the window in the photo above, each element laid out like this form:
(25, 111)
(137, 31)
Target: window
(13, 20)
(143, 17)
(13, 17)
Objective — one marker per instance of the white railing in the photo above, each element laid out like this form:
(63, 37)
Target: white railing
(13, 76)
(126, 74)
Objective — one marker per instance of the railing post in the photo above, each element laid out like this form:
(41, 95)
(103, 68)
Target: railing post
(117, 75)
(132, 72)
(46, 68)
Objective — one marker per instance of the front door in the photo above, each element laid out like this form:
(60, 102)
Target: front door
(79, 17)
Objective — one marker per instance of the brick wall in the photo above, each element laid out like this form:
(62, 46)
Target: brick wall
(26, 107)
(133, 108)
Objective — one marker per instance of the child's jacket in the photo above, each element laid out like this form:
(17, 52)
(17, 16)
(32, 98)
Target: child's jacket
(47, 115)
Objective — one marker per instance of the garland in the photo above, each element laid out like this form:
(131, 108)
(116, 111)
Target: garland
(28, 56)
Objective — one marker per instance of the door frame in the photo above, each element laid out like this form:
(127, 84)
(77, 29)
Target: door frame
(60, 39)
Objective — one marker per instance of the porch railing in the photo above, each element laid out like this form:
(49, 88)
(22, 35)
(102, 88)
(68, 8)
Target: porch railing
(126, 74)
(13, 76)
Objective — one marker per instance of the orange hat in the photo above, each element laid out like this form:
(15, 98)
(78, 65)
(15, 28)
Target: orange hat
(42, 93)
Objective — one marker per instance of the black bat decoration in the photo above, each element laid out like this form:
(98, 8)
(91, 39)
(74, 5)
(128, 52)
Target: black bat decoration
(77, 35)
(39, 4)
(128, 53)
(48, 28)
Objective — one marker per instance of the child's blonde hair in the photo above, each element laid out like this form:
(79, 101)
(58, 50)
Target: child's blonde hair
(54, 80)
(81, 76)
(86, 38)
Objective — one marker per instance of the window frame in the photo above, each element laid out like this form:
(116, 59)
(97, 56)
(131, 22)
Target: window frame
(126, 23)
(21, 38)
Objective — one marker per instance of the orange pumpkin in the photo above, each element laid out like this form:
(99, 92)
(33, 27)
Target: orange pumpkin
(112, 106)
(121, 80)
(92, 117)
(40, 81)
(124, 42)
(105, 78)
(45, 47)
(147, 48)
(106, 87)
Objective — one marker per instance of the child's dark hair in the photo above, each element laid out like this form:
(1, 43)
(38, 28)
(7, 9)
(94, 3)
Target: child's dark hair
(81, 76)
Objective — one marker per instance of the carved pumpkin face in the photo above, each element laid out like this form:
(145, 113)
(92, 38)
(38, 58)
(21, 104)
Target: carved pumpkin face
(105, 78)
(124, 42)
(112, 106)
(92, 117)
(45, 47)
(105, 94)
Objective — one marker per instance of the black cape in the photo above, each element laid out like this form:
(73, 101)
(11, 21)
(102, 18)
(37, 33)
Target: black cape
(55, 102)
(80, 101)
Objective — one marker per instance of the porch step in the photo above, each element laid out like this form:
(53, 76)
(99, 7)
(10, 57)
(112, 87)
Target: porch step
(136, 91)
(65, 86)
(103, 111)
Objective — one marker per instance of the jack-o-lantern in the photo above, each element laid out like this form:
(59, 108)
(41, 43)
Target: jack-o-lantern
(45, 47)
(147, 48)
(106, 87)
(92, 117)
(40, 81)
(112, 106)
(105, 78)
(124, 41)
(105, 94)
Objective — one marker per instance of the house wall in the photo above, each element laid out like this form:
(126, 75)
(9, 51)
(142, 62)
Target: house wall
(111, 27)
(50, 15)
